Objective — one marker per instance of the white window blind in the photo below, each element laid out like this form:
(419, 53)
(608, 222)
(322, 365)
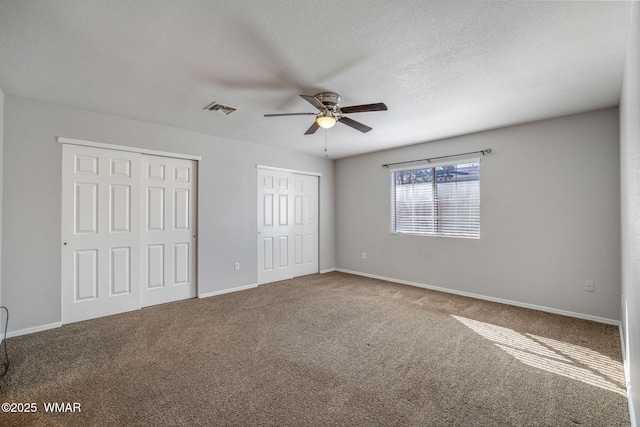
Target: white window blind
(440, 200)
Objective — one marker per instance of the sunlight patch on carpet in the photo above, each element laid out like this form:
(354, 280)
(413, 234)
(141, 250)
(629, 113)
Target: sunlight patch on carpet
(561, 358)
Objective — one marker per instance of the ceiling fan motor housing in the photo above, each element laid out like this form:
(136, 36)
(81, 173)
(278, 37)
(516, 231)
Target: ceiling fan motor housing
(329, 99)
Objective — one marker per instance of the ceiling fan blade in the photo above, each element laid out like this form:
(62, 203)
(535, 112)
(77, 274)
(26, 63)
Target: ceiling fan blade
(356, 125)
(290, 114)
(314, 101)
(314, 127)
(364, 108)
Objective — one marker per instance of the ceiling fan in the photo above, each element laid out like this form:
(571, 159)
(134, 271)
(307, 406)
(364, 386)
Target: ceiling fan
(330, 112)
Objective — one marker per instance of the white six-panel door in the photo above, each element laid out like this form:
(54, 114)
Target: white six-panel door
(273, 226)
(169, 268)
(100, 232)
(304, 224)
(128, 231)
(287, 225)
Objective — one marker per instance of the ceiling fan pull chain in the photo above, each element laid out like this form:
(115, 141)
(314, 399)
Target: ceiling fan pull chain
(325, 144)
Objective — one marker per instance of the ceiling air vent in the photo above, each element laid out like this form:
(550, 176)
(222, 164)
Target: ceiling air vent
(224, 109)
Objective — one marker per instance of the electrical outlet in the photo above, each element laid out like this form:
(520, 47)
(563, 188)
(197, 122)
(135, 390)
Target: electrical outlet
(364, 255)
(589, 285)
(237, 266)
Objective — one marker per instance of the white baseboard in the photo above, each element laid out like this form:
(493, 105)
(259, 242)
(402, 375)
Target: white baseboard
(34, 329)
(625, 363)
(632, 413)
(488, 298)
(227, 291)
(328, 270)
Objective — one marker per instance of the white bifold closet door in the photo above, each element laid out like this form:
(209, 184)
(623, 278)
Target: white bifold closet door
(100, 232)
(169, 267)
(287, 225)
(128, 231)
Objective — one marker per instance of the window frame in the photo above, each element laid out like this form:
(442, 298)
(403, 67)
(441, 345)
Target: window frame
(430, 165)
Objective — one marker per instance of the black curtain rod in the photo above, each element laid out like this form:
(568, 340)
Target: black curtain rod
(483, 152)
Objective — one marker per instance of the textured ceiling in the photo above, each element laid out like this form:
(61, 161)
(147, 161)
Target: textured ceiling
(443, 68)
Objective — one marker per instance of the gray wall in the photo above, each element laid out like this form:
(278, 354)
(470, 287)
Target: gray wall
(227, 200)
(550, 217)
(630, 209)
(2, 312)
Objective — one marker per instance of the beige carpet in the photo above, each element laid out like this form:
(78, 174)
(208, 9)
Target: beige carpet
(322, 350)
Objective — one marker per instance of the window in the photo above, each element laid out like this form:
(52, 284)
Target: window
(437, 200)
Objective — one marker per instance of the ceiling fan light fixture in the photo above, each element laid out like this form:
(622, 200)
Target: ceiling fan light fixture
(326, 122)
